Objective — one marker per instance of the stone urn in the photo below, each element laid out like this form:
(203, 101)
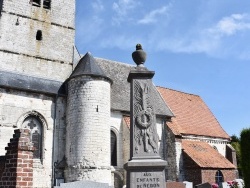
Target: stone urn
(139, 56)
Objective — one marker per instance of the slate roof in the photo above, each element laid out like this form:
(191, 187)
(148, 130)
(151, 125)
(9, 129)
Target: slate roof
(192, 115)
(87, 66)
(204, 155)
(30, 83)
(120, 89)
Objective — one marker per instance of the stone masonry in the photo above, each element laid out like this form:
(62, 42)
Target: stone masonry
(18, 170)
(21, 52)
(88, 130)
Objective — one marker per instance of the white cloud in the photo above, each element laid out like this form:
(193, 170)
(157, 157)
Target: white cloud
(122, 9)
(123, 6)
(152, 16)
(230, 25)
(223, 39)
(97, 6)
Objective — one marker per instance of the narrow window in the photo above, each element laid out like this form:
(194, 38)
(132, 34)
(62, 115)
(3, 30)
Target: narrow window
(113, 149)
(39, 35)
(1, 7)
(46, 4)
(219, 177)
(36, 3)
(35, 126)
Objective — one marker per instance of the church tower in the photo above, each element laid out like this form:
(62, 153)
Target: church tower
(36, 57)
(37, 37)
(88, 123)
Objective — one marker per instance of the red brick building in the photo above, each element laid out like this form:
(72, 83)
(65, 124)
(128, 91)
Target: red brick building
(198, 149)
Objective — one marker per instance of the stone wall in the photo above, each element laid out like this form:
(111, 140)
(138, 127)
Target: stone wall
(116, 127)
(231, 154)
(15, 106)
(126, 142)
(88, 130)
(171, 172)
(20, 51)
(18, 170)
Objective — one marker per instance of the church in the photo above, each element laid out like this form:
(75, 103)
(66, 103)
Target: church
(77, 107)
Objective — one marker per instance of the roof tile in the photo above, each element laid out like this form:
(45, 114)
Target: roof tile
(192, 115)
(205, 155)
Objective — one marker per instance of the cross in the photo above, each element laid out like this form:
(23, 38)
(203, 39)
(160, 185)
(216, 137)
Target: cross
(31, 124)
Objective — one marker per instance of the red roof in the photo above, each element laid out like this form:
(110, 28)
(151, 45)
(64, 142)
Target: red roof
(196, 150)
(192, 115)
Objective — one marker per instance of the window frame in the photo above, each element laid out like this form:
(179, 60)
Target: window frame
(219, 178)
(44, 126)
(116, 148)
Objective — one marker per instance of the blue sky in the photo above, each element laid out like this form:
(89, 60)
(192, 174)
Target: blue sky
(196, 46)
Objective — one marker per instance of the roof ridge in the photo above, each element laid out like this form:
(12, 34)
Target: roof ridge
(123, 63)
(179, 91)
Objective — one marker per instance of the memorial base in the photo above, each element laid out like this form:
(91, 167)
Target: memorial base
(146, 173)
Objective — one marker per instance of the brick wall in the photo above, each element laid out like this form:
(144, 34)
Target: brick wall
(2, 165)
(192, 171)
(208, 175)
(15, 106)
(18, 170)
(197, 175)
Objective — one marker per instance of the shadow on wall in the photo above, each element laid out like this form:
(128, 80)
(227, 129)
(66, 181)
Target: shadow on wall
(2, 165)
(1, 7)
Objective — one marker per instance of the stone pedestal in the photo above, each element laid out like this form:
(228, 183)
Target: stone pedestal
(146, 173)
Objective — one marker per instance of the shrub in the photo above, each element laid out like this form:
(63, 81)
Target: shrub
(245, 155)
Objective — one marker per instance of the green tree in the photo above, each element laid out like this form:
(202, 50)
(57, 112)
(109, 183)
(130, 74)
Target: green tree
(235, 143)
(245, 155)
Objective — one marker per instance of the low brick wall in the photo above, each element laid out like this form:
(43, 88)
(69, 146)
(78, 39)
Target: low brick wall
(2, 165)
(18, 170)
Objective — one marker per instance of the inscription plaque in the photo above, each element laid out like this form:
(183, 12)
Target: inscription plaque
(147, 179)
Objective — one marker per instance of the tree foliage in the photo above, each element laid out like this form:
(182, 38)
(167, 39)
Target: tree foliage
(245, 155)
(235, 143)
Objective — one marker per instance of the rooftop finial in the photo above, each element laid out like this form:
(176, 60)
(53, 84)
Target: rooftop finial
(139, 56)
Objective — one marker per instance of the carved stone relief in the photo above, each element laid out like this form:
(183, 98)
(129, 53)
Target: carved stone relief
(145, 135)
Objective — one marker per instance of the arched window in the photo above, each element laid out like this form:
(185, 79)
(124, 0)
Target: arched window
(219, 177)
(35, 126)
(113, 149)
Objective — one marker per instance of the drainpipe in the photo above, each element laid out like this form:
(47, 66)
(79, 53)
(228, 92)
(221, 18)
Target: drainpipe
(53, 146)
